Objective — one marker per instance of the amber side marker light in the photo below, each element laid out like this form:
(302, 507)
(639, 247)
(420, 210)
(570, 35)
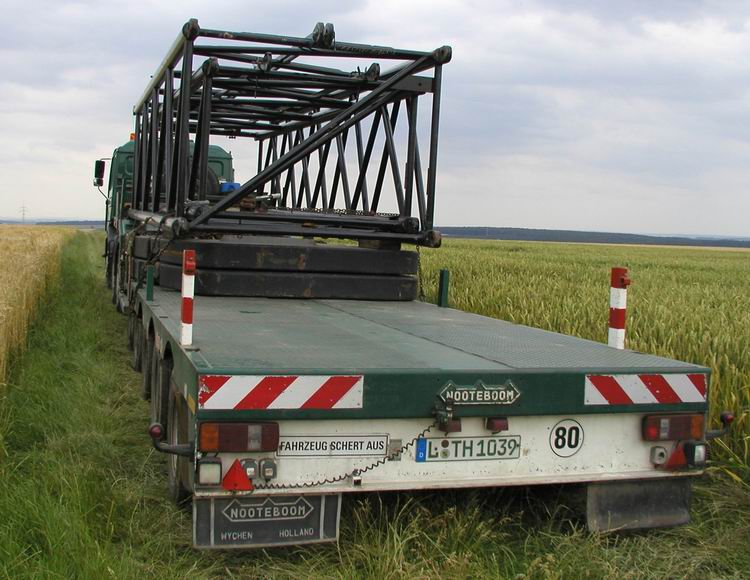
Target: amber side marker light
(673, 427)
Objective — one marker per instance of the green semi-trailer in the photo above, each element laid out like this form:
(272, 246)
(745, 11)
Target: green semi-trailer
(285, 370)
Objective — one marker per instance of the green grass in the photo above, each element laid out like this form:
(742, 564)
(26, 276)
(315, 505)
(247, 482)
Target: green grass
(83, 495)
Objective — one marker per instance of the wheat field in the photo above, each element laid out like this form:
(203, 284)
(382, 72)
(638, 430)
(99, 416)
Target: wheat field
(29, 264)
(690, 304)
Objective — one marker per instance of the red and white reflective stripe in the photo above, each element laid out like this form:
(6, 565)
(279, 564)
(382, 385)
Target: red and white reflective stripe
(618, 297)
(188, 293)
(244, 392)
(645, 389)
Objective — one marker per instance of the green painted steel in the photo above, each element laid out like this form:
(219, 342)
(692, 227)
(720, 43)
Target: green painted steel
(150, 282)
(444, 285)
(407, 353)
(120, 186)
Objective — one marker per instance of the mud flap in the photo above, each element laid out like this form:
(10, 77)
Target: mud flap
(248, 522)
(635, 505)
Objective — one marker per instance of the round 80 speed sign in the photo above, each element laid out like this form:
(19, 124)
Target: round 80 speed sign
(566, 438)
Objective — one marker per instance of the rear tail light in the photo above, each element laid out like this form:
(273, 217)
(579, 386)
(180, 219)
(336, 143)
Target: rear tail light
(238, 437)
(496, 424)
(450, 425)
(673, 427)
(696, 453)
(209, 471)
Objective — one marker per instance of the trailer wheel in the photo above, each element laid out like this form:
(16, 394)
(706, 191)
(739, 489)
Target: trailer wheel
(160, 388)
(131, 330)
(114, 294)
(137, 362)
(177, 466)
(147, 366)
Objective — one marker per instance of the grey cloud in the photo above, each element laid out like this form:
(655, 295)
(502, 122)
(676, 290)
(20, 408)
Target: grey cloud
(554, 115)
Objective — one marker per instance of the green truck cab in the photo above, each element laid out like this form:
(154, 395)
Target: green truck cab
(120, 188)
(120, 183)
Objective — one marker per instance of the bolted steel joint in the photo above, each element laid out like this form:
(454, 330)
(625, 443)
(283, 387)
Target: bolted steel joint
(329, 35)
(210, 66)
(443, 54)
(191, 29)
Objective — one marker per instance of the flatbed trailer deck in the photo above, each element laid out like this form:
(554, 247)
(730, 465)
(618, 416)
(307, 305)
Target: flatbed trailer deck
(410, 348)
(407, 354)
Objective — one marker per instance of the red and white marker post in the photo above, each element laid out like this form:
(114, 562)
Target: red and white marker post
(618, 298)
(188, 292)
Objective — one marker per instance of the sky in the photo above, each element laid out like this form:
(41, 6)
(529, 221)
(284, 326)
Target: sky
(629, 116)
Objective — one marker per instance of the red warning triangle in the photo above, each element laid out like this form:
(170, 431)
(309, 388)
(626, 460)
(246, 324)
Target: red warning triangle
(677, 459)
(236, 478)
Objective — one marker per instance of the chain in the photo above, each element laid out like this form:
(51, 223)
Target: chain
(354, 472)
(150, 261)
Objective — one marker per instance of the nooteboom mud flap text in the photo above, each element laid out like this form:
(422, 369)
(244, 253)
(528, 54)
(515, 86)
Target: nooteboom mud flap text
(243, 522)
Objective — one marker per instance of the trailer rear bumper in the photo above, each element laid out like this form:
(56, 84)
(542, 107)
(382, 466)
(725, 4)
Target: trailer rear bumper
(399, 455)
(316, 462)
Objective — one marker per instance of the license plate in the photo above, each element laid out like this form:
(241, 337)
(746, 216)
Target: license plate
(467, 448)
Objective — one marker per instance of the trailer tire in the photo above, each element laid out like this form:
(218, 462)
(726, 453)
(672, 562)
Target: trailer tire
(177, 466)
(137, 362)
(131, 330)
(147, 366)
(160, 389)
(114, 295)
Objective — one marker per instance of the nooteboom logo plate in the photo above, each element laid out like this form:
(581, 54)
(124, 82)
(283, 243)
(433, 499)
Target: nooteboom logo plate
(268, 509)
(480, 394)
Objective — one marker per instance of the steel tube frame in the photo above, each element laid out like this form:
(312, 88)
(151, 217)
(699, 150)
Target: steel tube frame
(265, 95)
(334, 127)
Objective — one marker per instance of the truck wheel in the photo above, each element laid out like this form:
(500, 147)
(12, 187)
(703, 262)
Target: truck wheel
(131, 330)
(137, 363)
(177, 466)
(108, 274)
(160, 391)
(147, 367)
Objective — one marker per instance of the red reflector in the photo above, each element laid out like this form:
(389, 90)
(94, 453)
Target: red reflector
(673, 427)
(677, 459)
(236, 478)
(238, 437)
